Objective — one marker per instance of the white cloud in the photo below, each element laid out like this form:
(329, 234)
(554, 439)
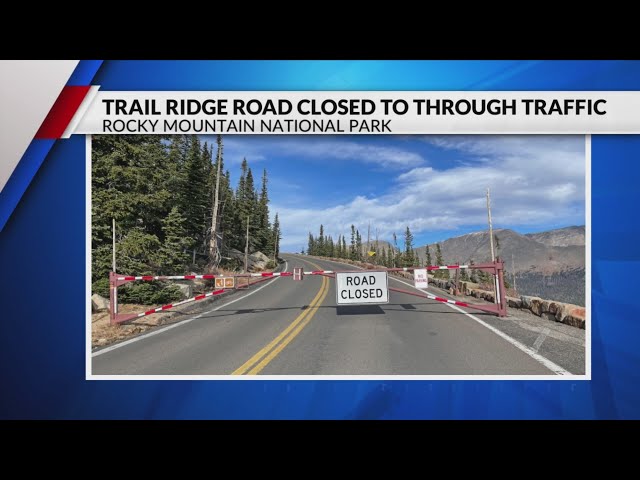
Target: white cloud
(534, 180)
(258, 149)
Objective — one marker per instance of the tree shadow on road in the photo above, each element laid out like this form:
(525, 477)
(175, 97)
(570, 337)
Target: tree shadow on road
(417, 308)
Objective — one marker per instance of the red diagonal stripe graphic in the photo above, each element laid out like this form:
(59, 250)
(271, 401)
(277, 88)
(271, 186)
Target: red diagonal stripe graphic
(62, 112)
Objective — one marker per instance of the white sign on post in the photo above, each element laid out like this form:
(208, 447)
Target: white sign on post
(356, 288)
(420, 278)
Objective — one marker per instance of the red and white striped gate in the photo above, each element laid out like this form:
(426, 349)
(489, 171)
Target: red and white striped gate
(115, 280)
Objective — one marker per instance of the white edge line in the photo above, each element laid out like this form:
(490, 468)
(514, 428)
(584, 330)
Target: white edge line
(556, 369)
(184, 322)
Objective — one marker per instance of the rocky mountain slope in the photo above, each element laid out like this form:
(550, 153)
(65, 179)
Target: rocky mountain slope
(548, 264)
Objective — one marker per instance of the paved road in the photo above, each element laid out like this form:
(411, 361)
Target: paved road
(284, 327)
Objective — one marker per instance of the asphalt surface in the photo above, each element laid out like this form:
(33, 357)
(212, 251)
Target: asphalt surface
(287, 327)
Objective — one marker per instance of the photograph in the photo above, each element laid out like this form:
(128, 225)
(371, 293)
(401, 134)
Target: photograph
(338, 256)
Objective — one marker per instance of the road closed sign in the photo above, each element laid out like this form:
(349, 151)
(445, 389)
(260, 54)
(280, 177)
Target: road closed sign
(357, 288)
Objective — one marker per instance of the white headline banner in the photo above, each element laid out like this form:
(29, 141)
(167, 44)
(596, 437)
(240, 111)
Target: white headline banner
(357, 112)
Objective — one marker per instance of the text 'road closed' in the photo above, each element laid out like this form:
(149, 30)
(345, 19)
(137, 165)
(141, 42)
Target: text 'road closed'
(354, 288)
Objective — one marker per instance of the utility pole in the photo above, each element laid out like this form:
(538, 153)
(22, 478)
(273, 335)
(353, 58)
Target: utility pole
(377, 246)
(246, 248)
(493, 256)
(113, 229)
(214, 254)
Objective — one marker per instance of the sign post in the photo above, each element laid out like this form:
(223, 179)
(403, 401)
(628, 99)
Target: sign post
(359, 288)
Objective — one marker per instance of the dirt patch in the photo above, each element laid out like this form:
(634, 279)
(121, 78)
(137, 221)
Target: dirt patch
(103, 333)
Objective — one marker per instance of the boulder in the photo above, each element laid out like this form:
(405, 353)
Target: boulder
(576, 316)
(557, 309)
(536, 306)
(186, 289)
(99, 303)
(256, 261)
(544, 306)
(526, 301)
(514, 302)
(259, 257)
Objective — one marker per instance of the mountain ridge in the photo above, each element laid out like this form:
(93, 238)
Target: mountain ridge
(548, 264)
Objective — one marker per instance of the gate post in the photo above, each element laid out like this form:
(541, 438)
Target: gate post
(502, 304)
(456, 288)
(113, 297)
(114, 316)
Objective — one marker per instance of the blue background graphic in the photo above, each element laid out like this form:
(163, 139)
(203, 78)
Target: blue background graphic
(44, 298)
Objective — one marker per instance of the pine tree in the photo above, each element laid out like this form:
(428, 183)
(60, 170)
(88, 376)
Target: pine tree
(344, 248)
(408, 249)
(133, 180)
(177, 157)
(352, 248)
(439, 262)
(195, 198)
(138, 180)
(250, 210)
(321, 243)
(395, 250)
(464, 276)
(358, 246)
(264, 231)
(311, 247)
(173, 254)
(277, 236)
(228, 212)
(240, 208)
(428, 256)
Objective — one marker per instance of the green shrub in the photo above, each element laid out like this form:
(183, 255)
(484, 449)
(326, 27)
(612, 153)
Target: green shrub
(271, 264)
(149, 293)
(101, 287)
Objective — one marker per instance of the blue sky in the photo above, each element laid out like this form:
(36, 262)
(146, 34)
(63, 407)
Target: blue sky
(434, 184)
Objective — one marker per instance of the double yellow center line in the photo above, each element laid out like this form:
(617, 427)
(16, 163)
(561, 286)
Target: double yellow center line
(255, 364)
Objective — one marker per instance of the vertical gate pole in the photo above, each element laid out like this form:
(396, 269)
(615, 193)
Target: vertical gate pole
(456, 288)
(502, 303)
(113, 297)
(114, 316)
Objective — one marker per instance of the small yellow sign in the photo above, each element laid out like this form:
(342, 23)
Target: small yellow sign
(225, 282)
(371, 254)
